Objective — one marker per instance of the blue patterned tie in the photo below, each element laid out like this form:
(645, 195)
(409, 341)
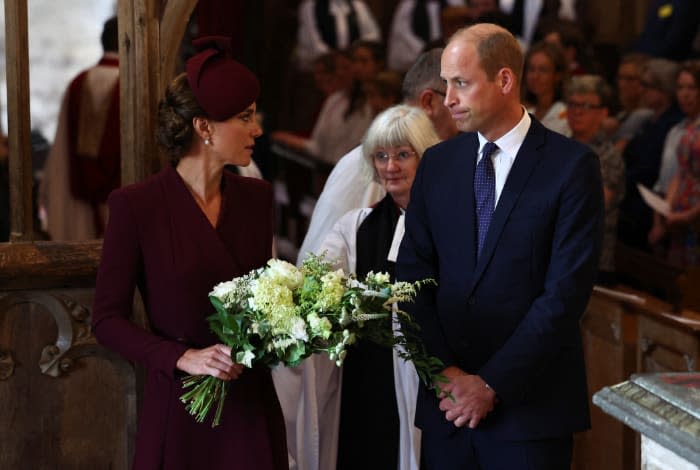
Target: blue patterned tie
(484, 194)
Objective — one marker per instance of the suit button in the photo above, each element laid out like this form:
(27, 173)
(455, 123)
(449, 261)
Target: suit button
(471, 301)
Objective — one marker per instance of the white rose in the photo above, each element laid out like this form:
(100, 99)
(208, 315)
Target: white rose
(298, 330)
(284, 273)
(223, 290)
(382, 278)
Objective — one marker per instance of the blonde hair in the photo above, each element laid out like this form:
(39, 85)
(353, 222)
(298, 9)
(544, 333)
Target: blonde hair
(399, 125)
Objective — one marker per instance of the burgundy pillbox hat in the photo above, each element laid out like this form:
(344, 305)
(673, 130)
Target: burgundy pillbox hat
(222, 86)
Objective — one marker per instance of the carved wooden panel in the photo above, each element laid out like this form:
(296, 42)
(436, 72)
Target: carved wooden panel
(65, 401)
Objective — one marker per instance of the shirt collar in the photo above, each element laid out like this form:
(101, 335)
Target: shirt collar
(511, 141)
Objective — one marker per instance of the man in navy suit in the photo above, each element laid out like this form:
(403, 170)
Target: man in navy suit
(514, 257)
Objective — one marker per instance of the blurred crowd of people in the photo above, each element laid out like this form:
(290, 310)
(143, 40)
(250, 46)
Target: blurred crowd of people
(637, 106)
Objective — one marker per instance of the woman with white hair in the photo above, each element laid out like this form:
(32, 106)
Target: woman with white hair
(371, 407)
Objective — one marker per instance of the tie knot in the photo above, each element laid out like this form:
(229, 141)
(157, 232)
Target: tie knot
(489, 148)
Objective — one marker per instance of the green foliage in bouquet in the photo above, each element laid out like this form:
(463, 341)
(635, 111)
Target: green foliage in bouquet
(281, 314)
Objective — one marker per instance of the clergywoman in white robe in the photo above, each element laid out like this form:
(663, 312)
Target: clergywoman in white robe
(369, 404)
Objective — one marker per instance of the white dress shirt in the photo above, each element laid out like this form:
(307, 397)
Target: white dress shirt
(508, 146)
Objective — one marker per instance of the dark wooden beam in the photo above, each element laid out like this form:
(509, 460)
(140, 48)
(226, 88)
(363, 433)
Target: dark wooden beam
(19, 130)
(48, 265)
(138, 86)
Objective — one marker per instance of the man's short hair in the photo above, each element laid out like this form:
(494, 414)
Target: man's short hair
(110, 35)
(423, 74)
(590, 84)
(496, 46)
(661, 74)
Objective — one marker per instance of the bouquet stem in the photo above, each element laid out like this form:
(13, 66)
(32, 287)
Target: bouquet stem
(205, 392)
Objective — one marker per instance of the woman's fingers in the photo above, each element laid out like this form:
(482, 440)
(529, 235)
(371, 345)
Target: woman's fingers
(214, 360)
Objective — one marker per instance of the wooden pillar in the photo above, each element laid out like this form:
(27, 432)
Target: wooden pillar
(172, 28)
(138, 46)
(20, 158)
(150, 32)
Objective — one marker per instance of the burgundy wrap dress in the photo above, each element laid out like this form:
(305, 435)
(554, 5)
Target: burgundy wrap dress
(159, 240)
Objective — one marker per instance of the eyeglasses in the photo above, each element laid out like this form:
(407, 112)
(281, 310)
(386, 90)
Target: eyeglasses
(573, 105)
(382, 158)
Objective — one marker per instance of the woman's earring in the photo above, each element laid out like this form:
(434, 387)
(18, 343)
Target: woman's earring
(207, 141)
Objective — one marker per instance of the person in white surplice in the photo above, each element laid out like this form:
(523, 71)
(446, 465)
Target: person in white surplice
(373, 395)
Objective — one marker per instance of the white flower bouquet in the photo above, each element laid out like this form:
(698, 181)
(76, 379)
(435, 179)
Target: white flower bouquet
(281, 314)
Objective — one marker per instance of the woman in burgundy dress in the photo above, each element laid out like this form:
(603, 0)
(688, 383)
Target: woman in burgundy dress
(174, 236)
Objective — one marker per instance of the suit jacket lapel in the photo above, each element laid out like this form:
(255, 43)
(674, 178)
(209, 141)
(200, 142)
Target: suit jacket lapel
(524, 164)
(463, 199)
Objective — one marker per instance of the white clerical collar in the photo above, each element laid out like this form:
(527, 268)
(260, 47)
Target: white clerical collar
(398, 236)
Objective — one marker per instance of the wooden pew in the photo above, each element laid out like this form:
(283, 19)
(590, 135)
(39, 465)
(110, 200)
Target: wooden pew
(652, 274)
(609, 333)
(626, 331)
(649, 273)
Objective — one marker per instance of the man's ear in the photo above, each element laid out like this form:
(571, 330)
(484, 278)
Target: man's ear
(506, 80)
(425, 101)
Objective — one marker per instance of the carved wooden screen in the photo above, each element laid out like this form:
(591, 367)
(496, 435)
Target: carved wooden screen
(65, 401)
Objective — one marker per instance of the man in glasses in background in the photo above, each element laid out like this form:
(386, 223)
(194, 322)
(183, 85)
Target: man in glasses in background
(351, 183)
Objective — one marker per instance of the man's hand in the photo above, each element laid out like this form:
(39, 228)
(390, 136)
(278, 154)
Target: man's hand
(466, 398)
(214, 360)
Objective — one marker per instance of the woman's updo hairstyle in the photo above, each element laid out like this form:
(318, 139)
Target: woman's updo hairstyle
(175, 114)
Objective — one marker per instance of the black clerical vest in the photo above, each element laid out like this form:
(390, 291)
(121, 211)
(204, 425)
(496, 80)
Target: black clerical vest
(369, 417)
(325, 23)
(420, 22)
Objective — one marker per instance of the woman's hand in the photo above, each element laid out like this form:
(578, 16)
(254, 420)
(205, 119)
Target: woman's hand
(214, 360)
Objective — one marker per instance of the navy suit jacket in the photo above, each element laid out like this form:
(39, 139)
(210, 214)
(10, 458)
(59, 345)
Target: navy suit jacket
(512, 317)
